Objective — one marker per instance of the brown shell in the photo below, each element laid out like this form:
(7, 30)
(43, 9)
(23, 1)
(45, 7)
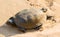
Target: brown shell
(28, 18)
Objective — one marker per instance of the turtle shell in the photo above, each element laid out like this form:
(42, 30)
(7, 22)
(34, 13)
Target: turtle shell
(27, 18)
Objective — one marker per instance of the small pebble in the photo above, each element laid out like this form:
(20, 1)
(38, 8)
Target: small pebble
(44, 9)
(49, 17)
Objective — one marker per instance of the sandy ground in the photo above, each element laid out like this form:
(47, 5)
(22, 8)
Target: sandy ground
(9, 8)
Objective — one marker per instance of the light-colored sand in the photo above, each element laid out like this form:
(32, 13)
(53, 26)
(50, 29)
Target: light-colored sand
(9, 8)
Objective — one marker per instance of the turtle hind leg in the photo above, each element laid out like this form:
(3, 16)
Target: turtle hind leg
(11, 22)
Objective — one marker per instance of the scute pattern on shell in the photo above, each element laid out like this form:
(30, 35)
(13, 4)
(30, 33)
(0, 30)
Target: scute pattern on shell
(28, 18)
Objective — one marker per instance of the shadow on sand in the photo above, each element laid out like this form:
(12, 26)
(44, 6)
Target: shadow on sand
(9, 30)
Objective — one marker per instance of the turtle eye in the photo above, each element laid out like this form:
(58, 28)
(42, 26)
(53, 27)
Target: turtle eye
(44, 10)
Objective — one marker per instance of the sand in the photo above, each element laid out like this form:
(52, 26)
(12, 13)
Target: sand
(9, 8)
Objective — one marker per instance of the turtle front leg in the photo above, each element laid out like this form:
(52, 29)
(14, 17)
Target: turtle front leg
(38, 27)
(22, 29)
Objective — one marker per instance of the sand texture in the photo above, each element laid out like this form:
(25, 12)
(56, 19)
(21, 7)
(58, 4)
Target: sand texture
(9, 8)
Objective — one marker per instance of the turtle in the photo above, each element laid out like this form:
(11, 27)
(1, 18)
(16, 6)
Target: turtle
(26, 19)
